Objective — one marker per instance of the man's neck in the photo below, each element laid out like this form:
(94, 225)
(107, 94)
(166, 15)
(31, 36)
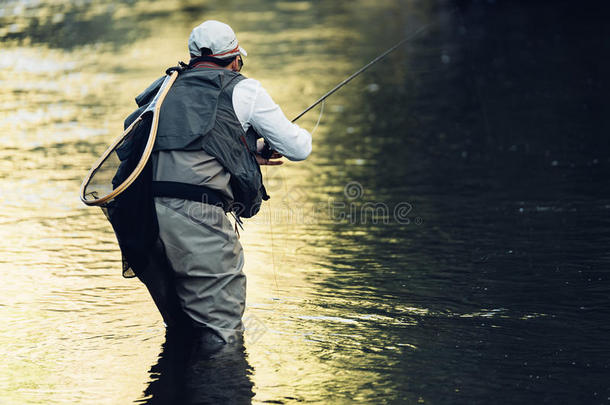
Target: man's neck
(209, 65)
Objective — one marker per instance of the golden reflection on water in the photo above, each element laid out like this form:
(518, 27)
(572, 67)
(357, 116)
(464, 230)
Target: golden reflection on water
(74, 329)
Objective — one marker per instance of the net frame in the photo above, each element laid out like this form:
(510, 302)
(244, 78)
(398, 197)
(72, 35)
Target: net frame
(157, 102)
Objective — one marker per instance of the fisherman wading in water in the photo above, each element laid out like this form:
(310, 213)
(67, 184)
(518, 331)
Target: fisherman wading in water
(213, 126)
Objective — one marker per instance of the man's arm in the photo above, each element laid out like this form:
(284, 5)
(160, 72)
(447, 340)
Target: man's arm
(254, 107)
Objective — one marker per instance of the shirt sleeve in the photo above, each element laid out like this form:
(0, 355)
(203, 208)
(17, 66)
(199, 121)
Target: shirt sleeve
(254, 107)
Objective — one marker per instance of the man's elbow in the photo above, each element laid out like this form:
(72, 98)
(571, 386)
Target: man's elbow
(303, 152)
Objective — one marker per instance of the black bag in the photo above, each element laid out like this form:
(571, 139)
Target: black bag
(132, 213)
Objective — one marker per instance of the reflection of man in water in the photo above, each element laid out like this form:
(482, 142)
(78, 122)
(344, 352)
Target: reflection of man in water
(213, 126)
(183, 376)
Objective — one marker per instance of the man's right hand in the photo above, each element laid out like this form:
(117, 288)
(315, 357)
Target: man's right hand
(272, 161)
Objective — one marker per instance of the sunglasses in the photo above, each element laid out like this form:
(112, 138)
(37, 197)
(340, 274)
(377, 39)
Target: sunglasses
(240, 63)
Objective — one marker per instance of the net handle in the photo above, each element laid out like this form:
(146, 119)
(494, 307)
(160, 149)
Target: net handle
(143, 160)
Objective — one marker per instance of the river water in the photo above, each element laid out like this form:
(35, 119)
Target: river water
(446, 242)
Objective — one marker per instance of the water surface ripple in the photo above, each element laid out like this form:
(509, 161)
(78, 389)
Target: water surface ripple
(447, 241)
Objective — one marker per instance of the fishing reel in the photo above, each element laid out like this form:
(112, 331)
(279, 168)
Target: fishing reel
(266, 152)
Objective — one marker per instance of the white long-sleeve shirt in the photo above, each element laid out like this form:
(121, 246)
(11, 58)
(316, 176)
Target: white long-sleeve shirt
(254, 107)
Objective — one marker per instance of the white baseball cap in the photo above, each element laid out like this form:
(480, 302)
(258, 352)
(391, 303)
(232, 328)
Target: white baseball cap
(216, 36)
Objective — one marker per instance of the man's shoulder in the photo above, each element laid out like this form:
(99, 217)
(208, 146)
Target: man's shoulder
(249, 80)
(248, 83)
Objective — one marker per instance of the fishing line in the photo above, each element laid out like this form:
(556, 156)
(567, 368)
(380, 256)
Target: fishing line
(277, 288)
(319, 118)
(283, 180)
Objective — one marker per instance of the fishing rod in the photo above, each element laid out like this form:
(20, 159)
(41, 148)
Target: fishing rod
(359, 71)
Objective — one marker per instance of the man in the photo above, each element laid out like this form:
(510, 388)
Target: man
(212, 127)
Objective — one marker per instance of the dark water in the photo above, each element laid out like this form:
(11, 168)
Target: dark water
(447, 242)
(498, 137)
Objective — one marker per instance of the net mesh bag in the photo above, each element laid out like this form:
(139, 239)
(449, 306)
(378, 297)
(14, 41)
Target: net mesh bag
(121, 180)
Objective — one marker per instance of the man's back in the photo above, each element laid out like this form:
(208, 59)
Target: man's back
(208, 144)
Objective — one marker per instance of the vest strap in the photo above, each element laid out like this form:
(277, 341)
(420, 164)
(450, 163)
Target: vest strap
(191, 192)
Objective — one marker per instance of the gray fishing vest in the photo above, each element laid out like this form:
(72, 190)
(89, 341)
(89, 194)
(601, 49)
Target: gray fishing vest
(198, 114)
